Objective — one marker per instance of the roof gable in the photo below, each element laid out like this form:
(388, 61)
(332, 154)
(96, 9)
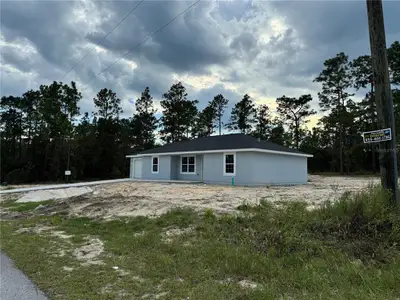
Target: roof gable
(218, 143)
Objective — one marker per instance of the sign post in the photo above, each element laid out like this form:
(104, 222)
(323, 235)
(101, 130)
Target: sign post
(67, 174)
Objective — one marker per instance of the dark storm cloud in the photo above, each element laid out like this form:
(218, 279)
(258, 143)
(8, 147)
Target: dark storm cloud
(330, 27)
(227, 36)
(43, 23)
(230, 10)
(185, 45)
(13, 57)
(156, 79)
(245, 42)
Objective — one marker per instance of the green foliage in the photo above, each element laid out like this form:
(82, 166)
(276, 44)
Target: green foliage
(219, 103)
(365, 223)
(295, 111)
(263, 122)
(336, 80)
(242, 115)
(107, 104)
(178, 119)
(21, 207)
(286, 250)
(205, 122)
(394, 62)
(43, 132)
(278, 134)
(144, 121)
(361, 71)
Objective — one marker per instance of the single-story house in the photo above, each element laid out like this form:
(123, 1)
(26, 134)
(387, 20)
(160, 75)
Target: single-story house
(221, 159)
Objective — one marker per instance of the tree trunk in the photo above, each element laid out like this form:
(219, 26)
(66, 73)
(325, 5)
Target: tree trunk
(296, 134)
(373, 160)
(341, 149)
(219, 125)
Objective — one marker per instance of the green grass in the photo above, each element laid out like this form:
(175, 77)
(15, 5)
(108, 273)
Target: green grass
(345, 250)
(26, 206)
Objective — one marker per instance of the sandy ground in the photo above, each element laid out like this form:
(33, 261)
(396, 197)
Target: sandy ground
(152, 199)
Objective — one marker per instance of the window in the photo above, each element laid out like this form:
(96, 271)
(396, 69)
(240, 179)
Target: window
(229, 164)
(154, 164)
(188, 164)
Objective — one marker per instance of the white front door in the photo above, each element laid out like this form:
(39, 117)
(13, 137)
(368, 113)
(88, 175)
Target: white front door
(137, 168)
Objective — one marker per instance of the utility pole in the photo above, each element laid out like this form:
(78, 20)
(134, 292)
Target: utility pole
(383, 97)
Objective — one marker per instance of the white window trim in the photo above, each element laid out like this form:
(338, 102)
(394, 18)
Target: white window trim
(188, 173)
(158, 164)
(234, 163)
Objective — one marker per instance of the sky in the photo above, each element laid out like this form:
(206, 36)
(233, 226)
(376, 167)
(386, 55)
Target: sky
(266, 49)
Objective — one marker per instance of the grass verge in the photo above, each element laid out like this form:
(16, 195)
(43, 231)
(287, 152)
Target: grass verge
(345, 250)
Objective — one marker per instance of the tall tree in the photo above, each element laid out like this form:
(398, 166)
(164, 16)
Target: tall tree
(263, 122)
(336, 80)
(394, 62)
(145, 121)
(278, 134)
(205, 121)
(242, 115)
(219, 103)
(179, 114)
(295, 111)
(361, 71)
(108, 104)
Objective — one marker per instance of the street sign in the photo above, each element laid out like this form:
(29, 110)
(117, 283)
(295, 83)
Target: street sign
(376, 136)
(67, 172)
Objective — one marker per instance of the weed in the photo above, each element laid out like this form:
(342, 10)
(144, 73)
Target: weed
(343, 250)
(28, 206)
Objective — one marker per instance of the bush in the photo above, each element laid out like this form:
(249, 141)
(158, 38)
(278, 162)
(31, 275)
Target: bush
(364, 224)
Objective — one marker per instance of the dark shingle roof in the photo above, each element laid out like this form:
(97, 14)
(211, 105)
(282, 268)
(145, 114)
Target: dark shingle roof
(219, 142)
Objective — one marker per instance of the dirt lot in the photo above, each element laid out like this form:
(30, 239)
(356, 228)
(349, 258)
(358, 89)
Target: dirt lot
(150, 198)
(278, 252)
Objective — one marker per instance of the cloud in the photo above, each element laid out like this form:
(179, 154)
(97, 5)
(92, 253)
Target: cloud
(266, 49)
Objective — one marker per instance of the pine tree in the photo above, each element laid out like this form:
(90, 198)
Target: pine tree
(362, 74)
(295, 111)
(205, 121)
(145, 121)
(263, 122)
(107, 104)
(219, 103)
(242, 115)
(277, 133)
(336, 79)
(179, 115)
(394, 62)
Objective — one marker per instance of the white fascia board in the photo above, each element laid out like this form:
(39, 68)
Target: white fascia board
(224, 151)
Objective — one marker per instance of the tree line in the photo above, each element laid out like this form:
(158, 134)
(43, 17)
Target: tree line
(43, 132)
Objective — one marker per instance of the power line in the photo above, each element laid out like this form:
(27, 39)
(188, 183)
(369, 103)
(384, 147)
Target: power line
(83, 57)
(150, 36)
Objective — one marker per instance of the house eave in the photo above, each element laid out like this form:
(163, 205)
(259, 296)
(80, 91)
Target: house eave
(223, 151)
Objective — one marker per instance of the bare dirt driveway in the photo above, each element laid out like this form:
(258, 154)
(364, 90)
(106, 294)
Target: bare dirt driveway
(138, 198)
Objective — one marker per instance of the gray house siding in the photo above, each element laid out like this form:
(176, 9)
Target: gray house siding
(254, 168)
(164, 168)
(279, 169)
(214, 169)
(174, 167)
